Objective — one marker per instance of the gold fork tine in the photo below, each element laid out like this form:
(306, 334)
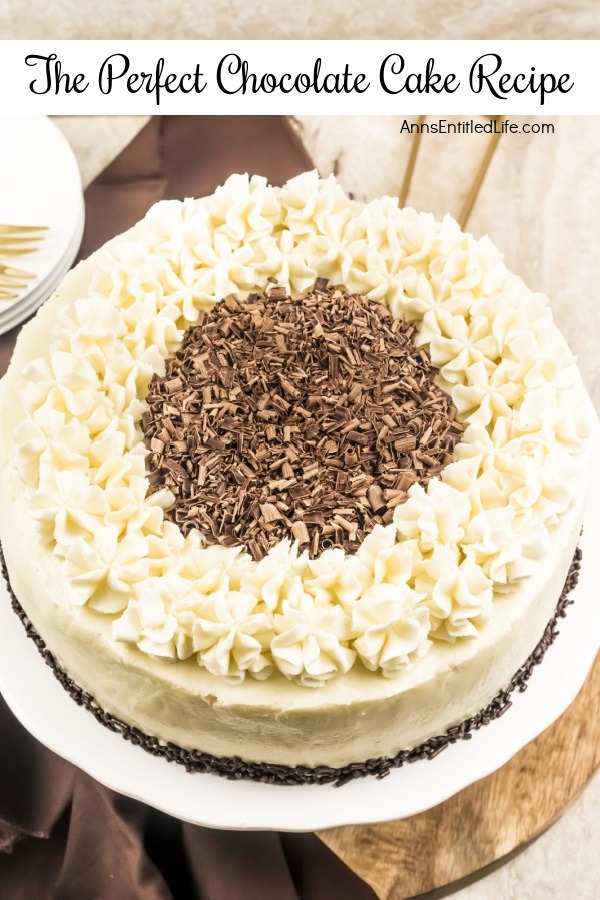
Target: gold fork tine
(16, 251)
(12, 285)
(11, 279)
(16, 273)
(8, 239)
(22, 229)
(8, 295)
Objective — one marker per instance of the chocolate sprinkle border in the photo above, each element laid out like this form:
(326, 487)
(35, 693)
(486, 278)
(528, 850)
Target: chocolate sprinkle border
(235, 768)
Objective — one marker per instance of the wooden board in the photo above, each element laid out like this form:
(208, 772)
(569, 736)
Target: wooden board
(479, 828)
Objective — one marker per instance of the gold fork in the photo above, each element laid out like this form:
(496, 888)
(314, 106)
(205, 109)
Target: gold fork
(19, 240)
(21, 229)
(12, 281)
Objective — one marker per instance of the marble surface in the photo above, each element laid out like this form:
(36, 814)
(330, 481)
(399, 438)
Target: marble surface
(240, 19)
(562, 864)
(541, 204)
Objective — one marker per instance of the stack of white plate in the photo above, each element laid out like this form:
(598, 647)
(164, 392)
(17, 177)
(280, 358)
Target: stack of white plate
(39, 185)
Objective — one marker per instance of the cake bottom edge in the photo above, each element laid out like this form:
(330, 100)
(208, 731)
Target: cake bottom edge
(236, 768)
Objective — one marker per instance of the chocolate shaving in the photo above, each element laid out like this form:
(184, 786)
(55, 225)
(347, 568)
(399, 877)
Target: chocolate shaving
(281, 409)
(235, 768)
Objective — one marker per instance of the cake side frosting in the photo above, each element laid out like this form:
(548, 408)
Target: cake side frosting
(481, 527)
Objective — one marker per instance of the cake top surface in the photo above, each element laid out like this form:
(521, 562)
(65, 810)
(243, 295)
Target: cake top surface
(149, 460)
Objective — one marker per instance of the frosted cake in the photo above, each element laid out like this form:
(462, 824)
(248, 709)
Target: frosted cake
(289, 478)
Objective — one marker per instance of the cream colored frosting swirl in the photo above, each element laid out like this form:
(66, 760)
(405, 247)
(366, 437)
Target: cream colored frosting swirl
(392, 626)
(311, 641)
(433, 573)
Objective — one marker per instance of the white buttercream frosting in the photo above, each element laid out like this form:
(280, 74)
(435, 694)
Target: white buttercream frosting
(392, 627)
(431, 575)
(311, 642)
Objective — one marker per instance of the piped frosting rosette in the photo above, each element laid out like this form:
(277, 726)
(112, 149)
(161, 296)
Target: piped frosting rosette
(434, 573)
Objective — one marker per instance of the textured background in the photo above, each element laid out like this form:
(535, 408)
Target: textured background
(541, 204)
(241, 19)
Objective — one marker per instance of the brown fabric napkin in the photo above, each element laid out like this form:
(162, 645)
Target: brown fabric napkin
(62, 834)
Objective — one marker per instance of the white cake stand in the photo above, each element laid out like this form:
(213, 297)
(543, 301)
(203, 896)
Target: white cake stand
(48, 712)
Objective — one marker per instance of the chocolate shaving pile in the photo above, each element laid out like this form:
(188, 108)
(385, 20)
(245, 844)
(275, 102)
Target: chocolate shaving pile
(306, 416)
